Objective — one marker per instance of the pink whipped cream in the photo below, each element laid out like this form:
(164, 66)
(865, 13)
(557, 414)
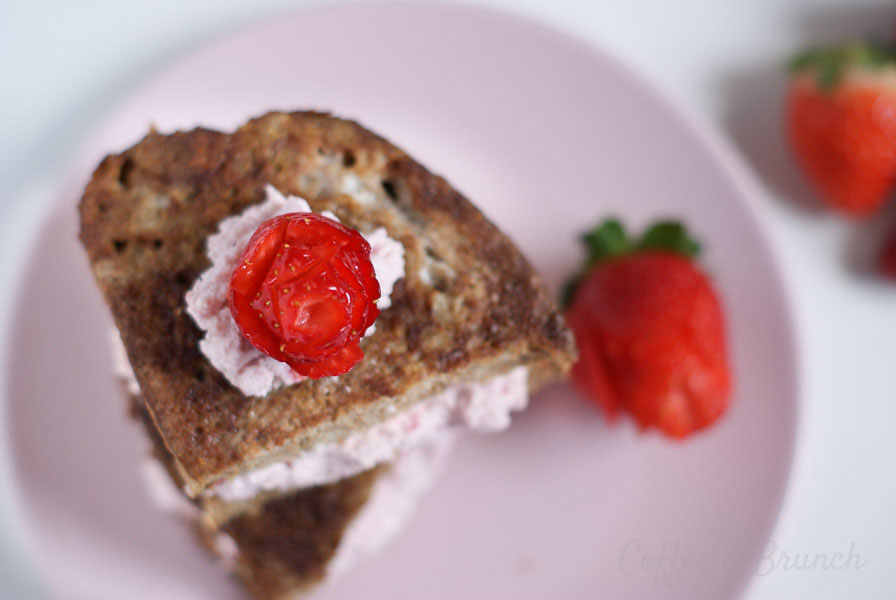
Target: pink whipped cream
(251, 371)
(483, 406)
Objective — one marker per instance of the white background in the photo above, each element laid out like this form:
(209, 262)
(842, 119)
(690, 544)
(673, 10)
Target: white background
(64, 64)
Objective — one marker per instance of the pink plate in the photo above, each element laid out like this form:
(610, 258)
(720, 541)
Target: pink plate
(546, 135)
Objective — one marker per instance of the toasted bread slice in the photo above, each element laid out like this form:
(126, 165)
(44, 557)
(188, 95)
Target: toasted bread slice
(282, 544)
(209, 512)
(469, 307)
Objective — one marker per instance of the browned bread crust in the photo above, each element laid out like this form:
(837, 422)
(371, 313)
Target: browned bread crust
(469, 307)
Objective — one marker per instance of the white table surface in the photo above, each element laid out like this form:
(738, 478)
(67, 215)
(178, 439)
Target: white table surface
(64, 64)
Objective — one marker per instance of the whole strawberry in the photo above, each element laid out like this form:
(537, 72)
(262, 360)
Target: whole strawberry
(841, 121)
(650, 330)
(886, 258)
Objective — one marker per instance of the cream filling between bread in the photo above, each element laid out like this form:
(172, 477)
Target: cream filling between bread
(249, 370)
(481, 406)
(484, 407)
(392, 500)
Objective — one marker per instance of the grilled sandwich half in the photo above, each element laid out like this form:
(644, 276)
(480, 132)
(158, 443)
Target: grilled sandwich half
(469, 319)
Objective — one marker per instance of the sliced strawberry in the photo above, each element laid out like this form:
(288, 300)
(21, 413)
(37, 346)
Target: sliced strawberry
(305, 292)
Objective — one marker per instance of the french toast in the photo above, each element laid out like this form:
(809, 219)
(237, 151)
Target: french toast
(469, 307)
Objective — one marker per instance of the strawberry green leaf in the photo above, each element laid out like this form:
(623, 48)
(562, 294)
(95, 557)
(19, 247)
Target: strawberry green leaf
(830, 63)
(829, 76)
(669, 235)
(606, 240)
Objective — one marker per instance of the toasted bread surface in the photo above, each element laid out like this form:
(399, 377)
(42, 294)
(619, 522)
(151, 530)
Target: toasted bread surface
(469, 307)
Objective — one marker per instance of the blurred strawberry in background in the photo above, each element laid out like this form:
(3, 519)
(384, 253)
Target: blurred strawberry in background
(886, 259)
(841, 121)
